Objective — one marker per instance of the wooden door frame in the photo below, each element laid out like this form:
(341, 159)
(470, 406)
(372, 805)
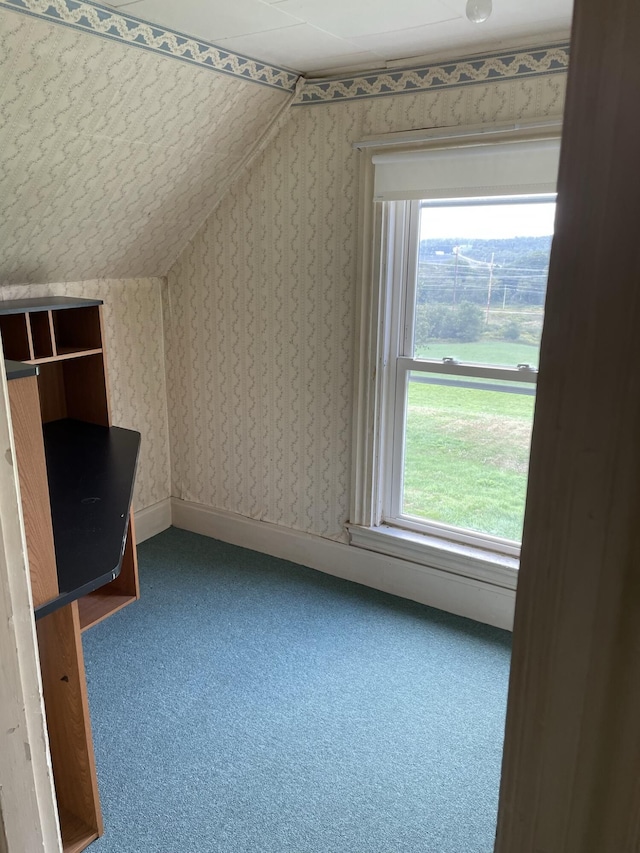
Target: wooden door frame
(570, 781)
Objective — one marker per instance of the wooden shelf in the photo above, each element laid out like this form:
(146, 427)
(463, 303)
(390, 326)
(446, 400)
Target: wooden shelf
(39, 331)
(76, 476)
(99, 604)
(91, 472)
(76, 835)
(65, 353)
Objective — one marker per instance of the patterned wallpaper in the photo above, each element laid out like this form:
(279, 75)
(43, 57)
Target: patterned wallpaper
(111, 157)
(260, 309)
(135, 360)
(118, 25)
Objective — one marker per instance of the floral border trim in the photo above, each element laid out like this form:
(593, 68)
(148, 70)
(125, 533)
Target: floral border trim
(482, 69)
(110, 23)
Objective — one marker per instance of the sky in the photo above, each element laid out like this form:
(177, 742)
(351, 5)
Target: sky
(488, 221)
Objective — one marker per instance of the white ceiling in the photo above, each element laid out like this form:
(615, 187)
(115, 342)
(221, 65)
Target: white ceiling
(326, 36)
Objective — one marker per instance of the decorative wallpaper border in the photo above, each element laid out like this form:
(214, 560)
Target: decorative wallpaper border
(482, 69)
(110, 23)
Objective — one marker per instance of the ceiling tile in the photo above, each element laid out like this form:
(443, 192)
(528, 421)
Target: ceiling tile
(302, 47)
(121, 4)
(519, 16)
(350, 19)
(321, 35)
(417, 40)
(353, 63)
(316, 36)
(455, 38)
(214, 21)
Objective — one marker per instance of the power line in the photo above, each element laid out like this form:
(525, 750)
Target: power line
(504, 269)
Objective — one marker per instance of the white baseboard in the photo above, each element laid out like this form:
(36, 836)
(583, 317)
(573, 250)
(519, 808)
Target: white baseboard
(152, 520)
(474, 599)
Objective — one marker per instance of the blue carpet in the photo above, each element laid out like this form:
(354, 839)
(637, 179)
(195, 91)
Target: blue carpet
(249, 705)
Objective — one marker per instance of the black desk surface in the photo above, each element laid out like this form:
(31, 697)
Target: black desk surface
(44, 303)
(91, 472)
(18, 369)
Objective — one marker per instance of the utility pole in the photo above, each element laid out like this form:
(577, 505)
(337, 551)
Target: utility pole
(456, 250)
(490, 288)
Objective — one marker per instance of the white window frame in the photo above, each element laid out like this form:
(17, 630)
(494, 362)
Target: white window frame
(406, 224)
(380, 377)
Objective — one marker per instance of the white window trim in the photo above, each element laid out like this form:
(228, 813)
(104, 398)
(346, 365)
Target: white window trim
(404, 222)
(373, 386)
(437, 552)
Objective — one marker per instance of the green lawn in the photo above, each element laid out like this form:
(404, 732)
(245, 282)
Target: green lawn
(466, 456)
(483, 351)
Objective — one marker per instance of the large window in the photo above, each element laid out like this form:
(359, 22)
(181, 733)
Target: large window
(466, 318)
(450, 325)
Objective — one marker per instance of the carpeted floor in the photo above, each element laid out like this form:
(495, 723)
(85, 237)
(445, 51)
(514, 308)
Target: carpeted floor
(248, 705)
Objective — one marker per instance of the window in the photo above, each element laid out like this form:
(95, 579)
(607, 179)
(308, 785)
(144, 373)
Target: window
(467, 309)
(462, 239)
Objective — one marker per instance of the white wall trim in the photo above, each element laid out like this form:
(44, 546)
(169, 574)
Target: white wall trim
(152, 520)
(474, 599)
(438, 553)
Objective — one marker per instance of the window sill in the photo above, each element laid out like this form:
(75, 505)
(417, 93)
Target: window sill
(436, 553)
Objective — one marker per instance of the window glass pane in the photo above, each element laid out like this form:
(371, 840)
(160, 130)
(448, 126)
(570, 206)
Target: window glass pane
(481, 280)
(466, 452)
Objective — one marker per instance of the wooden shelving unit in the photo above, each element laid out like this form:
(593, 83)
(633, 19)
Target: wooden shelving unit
(76, 475)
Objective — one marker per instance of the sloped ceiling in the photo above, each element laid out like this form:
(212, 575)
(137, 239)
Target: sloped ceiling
(111, 156)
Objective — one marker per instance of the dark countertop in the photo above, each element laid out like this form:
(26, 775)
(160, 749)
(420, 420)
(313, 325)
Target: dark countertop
(45, 303)
(91, 472)
(18, 369)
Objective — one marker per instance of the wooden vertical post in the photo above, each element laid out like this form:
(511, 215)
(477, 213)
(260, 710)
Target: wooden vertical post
(26, 786)
(571, 771)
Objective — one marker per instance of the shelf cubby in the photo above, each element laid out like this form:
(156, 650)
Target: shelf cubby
(77, 330)
(16, 337)
(74, 388)
(42, 338)
(115, 595)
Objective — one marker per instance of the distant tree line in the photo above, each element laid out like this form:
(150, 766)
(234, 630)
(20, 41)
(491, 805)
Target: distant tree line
(459, 282)
(463, 322)
(494, 272)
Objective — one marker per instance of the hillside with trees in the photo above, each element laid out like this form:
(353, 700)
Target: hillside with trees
(481, 289)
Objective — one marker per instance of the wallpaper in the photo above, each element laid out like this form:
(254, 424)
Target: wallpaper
(259, 309)
(119, 25)
(135, 363)
(111, 157)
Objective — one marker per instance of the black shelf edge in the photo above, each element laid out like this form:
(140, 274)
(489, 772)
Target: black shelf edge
(18, 369)
(91, 471)
(44, 303)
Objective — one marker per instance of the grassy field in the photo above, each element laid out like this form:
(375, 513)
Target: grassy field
(483, 351)
(467, 454)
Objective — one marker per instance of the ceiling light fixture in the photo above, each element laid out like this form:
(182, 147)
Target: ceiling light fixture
(478, 10)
